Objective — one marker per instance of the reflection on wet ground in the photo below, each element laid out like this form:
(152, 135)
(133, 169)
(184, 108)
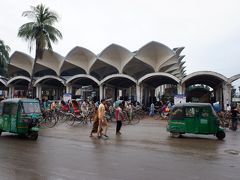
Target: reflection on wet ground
(143, 151)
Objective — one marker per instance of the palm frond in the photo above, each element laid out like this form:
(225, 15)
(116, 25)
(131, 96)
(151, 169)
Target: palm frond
(40, 30)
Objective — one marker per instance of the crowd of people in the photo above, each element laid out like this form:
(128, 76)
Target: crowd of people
(100, 112)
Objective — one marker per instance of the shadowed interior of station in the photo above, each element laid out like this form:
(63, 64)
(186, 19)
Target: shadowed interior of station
(20, 84)
(209, 80)
(120, 82)
(43, 72)
(51, 87)
(155, 81)
(101, 69)
(137, 68)
(2, 86)
(202, 94)
(79, 82)
(13, 70)
(72, 71)
(198, 93)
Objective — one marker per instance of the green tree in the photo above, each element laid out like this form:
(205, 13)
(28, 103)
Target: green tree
(40, 32)
(4, 58)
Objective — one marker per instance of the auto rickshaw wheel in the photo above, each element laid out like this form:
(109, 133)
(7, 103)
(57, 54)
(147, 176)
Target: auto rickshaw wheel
(33, 135)
(0, 132)
(176, 135)
(220, 135)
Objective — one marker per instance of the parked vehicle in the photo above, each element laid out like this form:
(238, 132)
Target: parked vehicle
(195, 118)
(20, 116)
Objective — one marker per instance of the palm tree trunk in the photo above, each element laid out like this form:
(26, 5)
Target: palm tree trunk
(30, 85)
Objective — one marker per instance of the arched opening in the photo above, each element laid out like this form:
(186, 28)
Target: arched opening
(18, 86)
(235, 92)
(156, 87)
(84, 87)
(3, 88)
(119, 86)
(50, 88)
(212, 87)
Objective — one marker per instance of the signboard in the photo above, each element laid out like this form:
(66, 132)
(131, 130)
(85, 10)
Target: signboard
(67, 97)
(179, 98)
(236, 99)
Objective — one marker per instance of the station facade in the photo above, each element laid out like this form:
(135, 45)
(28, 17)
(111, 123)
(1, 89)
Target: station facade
(152, 71)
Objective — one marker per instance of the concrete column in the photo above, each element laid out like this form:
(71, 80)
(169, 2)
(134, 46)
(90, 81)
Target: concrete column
(146, 94)
(152, 92)
(138, 92)
(39, 92)
(226, 94)
(100, 92)
(10, 92)
(104, 92)
(130, 92)
(68, 89)
(184, 89)
(179, 89)
(141, 94)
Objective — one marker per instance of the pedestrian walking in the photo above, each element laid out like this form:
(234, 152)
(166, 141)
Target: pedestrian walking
(234, 113)
(95, 123)
(119, 118)
(152, 109)
(103, 124)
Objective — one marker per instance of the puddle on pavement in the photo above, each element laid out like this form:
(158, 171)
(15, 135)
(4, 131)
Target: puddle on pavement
(232, 151)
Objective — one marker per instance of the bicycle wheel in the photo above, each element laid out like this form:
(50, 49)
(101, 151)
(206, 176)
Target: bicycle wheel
(70, 119)
(50, 121)
(125, 120)
(135, 119)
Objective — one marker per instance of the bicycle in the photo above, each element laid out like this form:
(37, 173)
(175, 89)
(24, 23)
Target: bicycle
(131, 119)
(48, 119)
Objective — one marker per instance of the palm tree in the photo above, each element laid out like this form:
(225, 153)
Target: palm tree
(39, 32)
(4, 57)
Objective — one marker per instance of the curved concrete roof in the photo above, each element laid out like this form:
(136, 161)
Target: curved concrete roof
(80, 57)
(17, 78)
(114, 59)
(118, 75)
(21, 61)
(49, 77)
(209, 78)
(101, 69)
(137, 68)
(234, 78)
(83, 76)
(211, 73)
(158, 74)
(116, 55)
(178, 50)
(154, 54)
(51, 60)
(3, 82)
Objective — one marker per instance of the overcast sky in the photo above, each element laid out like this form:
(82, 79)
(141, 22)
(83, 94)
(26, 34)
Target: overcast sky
(208, 29)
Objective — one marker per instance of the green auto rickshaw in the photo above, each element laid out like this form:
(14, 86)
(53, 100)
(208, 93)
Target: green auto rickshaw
(194, 118)
(20, 116)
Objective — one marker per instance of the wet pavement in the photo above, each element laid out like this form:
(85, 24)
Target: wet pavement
(143, 151)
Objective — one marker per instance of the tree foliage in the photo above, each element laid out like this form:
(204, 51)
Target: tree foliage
(4, 57)
(40, 32)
